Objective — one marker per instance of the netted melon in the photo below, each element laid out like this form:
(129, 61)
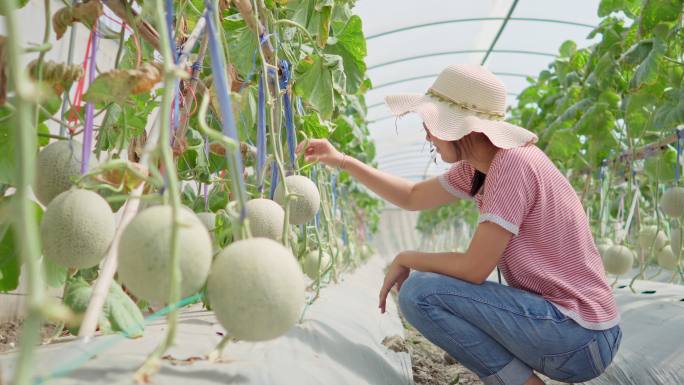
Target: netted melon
(256, 289)
(672, 202)
(265, 218)
(650, 236)
(145, 253)
(310, 263)
(618, 259)
(667, 259)
(306, 205)
(77, 229)
(56, 164)
(603, 245)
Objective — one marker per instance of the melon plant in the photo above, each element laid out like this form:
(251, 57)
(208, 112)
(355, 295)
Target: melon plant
(667, 259)
(618, 259)
(306, 205)
(310, 264)
(77, 229)
(265, 218)
(651, 236)
(256, 289)
(208, 219)
(56, 164)
(676, 237)
(672, 202)
(145, 253)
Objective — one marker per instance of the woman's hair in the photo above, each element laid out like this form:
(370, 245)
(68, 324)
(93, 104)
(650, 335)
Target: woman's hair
(464, 148)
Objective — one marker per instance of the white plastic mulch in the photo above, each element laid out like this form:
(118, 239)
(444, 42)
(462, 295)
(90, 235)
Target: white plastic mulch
(338, 342)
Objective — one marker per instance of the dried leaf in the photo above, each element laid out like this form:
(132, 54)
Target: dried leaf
(58, 75)
(86, 13)
(128, 175)
(118, 85)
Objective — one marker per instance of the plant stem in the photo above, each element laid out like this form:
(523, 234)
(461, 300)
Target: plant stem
(151, 363)
(26, 225)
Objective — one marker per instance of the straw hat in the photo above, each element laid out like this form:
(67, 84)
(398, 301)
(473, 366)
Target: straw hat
(463, 99)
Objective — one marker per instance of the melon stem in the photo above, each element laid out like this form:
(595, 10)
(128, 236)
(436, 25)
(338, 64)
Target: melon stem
(25, 224)
(151, 364)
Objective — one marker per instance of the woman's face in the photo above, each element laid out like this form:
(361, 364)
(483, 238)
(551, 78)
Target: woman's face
(445, 149)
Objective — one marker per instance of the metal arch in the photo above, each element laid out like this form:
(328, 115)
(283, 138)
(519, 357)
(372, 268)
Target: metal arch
(505, 74)
(499, 32)
(456, 21)
(514, 51)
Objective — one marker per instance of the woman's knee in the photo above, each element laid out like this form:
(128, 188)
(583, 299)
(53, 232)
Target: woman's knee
(412, 293)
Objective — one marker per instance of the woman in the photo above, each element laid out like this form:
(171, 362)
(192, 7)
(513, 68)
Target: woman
(557, 315)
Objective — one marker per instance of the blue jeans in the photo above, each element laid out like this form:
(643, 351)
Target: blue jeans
(502, 333)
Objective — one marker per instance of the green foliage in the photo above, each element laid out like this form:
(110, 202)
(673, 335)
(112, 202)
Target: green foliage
(120, 313)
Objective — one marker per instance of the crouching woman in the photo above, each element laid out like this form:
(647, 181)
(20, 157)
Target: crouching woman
(556, 315)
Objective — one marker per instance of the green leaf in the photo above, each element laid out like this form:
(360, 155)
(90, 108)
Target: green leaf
(9, 260)
(568, 48)
(637, 53)
(312, 126)
(658, 11)
(314, 78)
(629, 7)
(350, 44)
(54, 274)
(647, 72)
(242, 45)
(670, 113)
(20, 4)
(563, 144)
(662, 166)
(122, 313)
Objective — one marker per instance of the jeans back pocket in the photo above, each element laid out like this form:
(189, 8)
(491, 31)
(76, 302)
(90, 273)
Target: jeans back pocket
(581, 364)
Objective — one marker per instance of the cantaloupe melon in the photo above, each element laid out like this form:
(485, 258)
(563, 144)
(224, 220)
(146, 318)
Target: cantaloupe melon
(304, 207)
(672, 202)
(602, 245)
(256, 289)
(145, 253)
(651, 236)
(266, 218)
(56, 164)
(77, 229)
(310, 263)
(667, 259)
(618, 259)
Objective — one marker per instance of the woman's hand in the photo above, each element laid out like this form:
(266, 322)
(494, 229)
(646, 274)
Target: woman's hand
(320, 150)
(396, 275)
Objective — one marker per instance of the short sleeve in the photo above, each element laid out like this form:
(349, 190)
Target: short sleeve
(511, 188)
(458, 180)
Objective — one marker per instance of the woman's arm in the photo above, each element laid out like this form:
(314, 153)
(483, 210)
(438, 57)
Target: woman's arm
(401, 192)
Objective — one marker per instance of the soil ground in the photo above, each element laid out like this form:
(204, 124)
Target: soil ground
(10, 331)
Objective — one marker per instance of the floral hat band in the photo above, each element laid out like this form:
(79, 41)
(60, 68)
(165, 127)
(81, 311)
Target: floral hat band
(470, 107)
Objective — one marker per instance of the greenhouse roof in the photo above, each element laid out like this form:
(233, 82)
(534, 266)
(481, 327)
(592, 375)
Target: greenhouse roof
(410, 42)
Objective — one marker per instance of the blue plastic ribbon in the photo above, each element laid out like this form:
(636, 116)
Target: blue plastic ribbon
(274, 178)
(287, 109)
(218, 65)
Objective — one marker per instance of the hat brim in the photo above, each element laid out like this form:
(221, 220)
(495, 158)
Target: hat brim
(448, 122)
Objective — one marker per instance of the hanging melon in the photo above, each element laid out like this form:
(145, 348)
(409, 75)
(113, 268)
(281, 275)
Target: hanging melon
(145, 253)
(265, 218)
(618, 260)
(672, 202)
(306, 205)
(256, 289)
(56, 165)
(77, 229)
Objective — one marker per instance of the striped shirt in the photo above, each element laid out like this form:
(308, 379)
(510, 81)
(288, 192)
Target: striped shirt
(552, 252)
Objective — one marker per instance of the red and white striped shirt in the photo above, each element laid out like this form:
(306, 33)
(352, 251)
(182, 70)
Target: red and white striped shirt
(552, 252)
